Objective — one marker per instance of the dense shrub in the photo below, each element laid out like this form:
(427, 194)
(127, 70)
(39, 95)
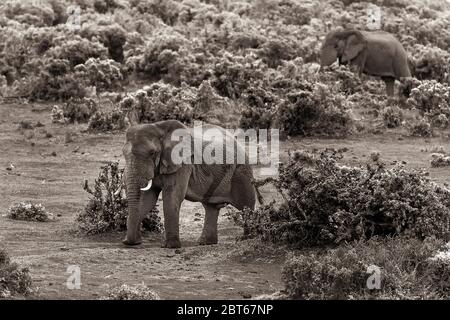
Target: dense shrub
(440, 160)
(160, 102)
(111, 36)
(408, 269)
(432, 99)
(261, 108)
(78, 111)
(420, 128)
(129, 292)
(107, 211)
(392, 116)
(13, 279)
(29, 212)
(315, 112)
(107, 121)
(103, 74)
(432, 64)
(158, 56)
(78, 50)
(326, 202)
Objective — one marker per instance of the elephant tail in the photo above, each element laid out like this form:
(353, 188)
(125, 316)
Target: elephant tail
(259, 195)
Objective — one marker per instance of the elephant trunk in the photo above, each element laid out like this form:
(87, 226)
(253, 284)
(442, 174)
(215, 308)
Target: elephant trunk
(328, 56)
(134, 182)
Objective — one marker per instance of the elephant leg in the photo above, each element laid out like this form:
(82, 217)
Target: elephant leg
(209, 233)
(146, 203)
(389, 85)
(173, 193)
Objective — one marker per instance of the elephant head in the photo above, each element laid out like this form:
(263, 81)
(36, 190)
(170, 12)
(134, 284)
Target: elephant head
(342, 45)
(147, 152)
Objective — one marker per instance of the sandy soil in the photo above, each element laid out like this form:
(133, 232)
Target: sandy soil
(50, 169)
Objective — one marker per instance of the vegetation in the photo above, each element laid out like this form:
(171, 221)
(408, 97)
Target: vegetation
(29, 212)
(14, 280)
(259, 59)
(329, 203)
(130, 292)
(107, 210)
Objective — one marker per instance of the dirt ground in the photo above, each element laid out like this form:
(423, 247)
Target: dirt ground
(50, 164)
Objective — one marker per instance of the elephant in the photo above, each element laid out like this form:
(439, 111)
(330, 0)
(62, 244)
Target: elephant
(375, 53)
(150, 169)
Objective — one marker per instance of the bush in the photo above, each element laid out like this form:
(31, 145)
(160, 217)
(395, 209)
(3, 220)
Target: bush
(103, 74)
(439, 160)
(13, 279)
(392, 116)
(111, 36)
(158, 56)
(78, 50)
(80, 110)
(408, 269)
(421, 128)
(107, 211)
(127, 292)
(315, 112)
(432, 64)
(55, 88)
(432, 99)
(29, 212)
(261, 107)
(329, 203)
(160, 102)
(107, 121)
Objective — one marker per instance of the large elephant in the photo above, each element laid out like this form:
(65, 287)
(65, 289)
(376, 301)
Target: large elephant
(151, 169)
(376, 53)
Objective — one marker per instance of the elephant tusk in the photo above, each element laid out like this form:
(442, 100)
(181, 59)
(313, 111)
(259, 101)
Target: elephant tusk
(149, 185)
(118, 191)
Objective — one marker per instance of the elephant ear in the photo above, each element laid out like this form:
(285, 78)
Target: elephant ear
(355, 44)
(177, 149)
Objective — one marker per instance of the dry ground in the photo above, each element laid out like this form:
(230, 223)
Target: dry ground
(50, 169)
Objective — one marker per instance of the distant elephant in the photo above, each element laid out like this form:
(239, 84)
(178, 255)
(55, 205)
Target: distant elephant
(150, 169)
(375, 53)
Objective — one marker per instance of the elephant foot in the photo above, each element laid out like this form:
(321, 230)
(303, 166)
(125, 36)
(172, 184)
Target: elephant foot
(171, 243)
(128, 242)
(207, 240)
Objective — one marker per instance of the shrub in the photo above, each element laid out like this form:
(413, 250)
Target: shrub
(78, 50)
(80, 110)
(315, 112)
(13, 279)
(432, 99)
(103, 74)
(55, 88)
(107, 121)
(261, 107)
(408, 269)
(326, 203)
(421, 128)
(392, 116)
(107, 211)
(129, 292)
(233, 75)
(158, 56)
(29, 212)
(111, 36)
(160, 102)
(432, 64)
(439, 160)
